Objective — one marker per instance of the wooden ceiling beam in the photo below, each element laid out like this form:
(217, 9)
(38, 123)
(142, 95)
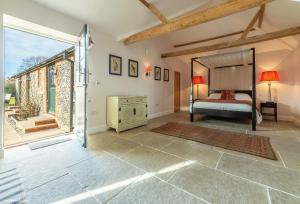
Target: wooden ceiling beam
(155, 11)
(251, 24)
(212, 38)
(261, 17)
(215, 12)
(236, 43)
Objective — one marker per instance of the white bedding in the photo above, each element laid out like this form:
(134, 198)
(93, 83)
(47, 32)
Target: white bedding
(223, 106)
(228, 107)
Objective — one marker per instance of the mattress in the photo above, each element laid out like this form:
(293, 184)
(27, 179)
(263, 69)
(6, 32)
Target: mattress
(227, 106)
(223, 106)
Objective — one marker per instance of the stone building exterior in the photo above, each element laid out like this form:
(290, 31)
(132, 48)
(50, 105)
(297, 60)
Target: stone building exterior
(33, 86)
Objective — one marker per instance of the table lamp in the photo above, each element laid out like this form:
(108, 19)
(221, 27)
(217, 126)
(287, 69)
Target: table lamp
(269, 76)
(197, 80)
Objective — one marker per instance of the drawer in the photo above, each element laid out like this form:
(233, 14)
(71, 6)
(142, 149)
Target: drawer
(141, 100)
(133, 100)
(127, 100)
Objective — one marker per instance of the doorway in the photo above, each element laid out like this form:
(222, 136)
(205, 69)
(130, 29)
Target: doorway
(176, 91)
(45, 83)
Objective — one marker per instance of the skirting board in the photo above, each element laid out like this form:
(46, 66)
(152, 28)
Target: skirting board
(185, 108)
(157, 115)
(287, 118)
(95, 130)
(102, 128)
(1, 153)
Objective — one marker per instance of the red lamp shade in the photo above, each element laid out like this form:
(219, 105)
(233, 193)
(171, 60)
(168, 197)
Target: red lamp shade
(198, 80)
(269, 76)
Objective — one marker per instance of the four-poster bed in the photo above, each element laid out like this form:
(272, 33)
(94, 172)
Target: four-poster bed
(242, 104)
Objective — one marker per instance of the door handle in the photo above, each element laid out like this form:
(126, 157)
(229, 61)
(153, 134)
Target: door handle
(134, 111)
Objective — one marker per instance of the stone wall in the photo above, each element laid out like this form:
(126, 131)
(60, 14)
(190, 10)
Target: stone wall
(23, 90)
(38, 89)
(17, 89)
(63, 110)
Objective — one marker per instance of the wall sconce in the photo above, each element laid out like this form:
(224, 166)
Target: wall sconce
(148, 70)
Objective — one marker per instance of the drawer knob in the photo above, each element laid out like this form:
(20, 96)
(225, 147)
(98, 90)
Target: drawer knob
(120, 109)
(119, 121)
(146, 115)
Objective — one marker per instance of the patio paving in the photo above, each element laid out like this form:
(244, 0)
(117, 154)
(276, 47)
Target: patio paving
(13, 137)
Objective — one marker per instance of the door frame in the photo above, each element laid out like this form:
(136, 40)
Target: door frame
(29, 27)
(177, 73)
(81, 81)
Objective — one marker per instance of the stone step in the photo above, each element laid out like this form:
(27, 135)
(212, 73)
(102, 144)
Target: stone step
(41, 127)
(44, 122)
(12, 114)
(9, 110)
(13, 107)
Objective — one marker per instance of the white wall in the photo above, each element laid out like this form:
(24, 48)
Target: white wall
(160, 93)
(281, 92)
(296, 93)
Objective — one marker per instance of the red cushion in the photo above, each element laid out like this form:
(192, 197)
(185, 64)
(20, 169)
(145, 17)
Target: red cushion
(227, 95)
(223, 94)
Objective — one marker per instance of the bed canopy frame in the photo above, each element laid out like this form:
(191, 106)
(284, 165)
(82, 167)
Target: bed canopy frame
(238, 59)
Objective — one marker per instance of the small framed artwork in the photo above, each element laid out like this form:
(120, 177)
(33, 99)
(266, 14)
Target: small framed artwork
(115, 65)
(166, 74)
(157, 73)
(133, 68)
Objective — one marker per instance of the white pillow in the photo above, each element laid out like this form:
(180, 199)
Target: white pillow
(242, 96)
(215, 96)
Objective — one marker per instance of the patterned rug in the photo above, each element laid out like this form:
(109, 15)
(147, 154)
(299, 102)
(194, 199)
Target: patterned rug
(245, 143)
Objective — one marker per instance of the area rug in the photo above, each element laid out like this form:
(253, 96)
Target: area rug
(245, 143)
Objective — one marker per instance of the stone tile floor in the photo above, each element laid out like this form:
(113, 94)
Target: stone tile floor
(138, 166)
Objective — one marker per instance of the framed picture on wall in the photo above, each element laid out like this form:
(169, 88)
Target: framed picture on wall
(133, 68)
(157, 73)
(166, 74)
(115, 65)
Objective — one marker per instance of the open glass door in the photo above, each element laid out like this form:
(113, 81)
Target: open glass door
(80, 86)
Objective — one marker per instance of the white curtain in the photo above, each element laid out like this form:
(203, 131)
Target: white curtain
(236, 71)
(237, 78)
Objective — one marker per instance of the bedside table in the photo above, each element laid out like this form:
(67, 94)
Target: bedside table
(270, 105)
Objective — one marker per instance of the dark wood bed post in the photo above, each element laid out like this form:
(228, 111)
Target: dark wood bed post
(254, 119)
(208, 70)
(192, 92)
(208, 82)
